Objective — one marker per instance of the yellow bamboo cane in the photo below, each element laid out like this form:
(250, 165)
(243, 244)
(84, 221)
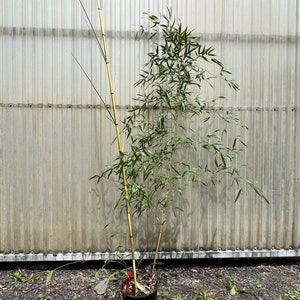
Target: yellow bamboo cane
(117, 129)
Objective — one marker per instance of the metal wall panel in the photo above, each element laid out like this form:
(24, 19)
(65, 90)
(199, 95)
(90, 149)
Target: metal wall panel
(55, 132)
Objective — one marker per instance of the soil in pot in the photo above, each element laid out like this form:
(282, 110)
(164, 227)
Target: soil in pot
(149, 283)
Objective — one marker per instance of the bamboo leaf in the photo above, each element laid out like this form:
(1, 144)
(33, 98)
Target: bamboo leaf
(257, 190)
(238, 195)
(49, 277)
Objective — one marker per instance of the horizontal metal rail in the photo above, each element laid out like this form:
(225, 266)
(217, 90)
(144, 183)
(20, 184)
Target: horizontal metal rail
(101, 106)
(210, 254)
(88, 33)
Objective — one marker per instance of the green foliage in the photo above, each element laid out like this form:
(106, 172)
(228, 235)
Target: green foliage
(234, 289)
(177, 297)
(109, 277)
(258, 284)
(203, 295)
(164, 294)
(49, 276)
(44, 296)
(168, 143)
(159, 128)
(18, 276)
(291, 295)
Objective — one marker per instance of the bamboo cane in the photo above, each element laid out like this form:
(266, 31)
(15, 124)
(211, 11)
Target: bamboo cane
(120, 148)
(163, 208)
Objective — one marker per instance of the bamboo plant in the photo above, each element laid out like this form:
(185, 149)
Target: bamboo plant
(156, 165)
(122, 173)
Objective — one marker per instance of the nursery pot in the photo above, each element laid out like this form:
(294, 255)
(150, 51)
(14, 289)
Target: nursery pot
(151, 296)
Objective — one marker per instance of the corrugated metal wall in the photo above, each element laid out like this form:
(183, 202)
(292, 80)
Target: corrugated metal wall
(55, 134)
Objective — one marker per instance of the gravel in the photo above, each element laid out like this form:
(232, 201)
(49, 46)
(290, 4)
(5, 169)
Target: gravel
(268, 279)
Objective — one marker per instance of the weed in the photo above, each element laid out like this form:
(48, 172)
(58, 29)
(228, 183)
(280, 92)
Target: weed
(291, 295)
(234, 289)
(203, 295)
(164, 294)
(110, 277)
(258, 284)
(17, 276)
(44, 297)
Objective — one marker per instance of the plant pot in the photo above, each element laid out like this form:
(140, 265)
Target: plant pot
(151, 296)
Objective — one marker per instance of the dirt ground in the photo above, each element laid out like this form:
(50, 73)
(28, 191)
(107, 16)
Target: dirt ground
(268, 279)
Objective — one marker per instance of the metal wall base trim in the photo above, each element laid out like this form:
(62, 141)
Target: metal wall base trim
(209, 254)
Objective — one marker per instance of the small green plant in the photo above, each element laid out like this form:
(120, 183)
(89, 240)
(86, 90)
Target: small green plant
(107, 274)
(258, 284)
(177, 297)
(203, 295)
(44, 297)
(234, 289)
(17, 276)
(164, 294)
(49, 276)
(109, 277)
(291, 295)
